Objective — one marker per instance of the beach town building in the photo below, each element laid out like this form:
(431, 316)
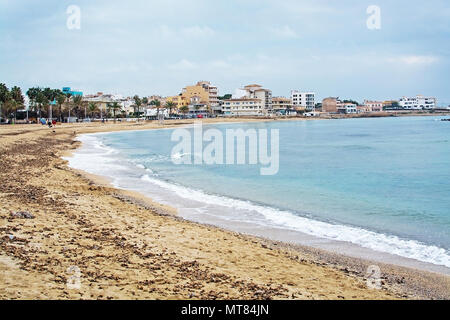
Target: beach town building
(178, 100)
(347, 108)
(281, 105)
(373, 106)
(201, 95)
(418, 102)
(68, 90)
(363, 109)
(244, 107)
(256, 91)
(213, 99)
(330, 105)
(303, 99)
(389, 104)
(161, 100)
(102, 101)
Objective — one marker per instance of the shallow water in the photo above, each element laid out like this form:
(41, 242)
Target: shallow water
(381, 184)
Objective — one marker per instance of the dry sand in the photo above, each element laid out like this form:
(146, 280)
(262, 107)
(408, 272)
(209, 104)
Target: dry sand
(128, 247)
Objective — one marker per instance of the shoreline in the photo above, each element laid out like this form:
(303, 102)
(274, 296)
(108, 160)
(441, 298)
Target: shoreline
(346, 248)
(400, 282)
(394, 275)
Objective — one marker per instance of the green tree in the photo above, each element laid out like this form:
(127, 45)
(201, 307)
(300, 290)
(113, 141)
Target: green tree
(157, 105)
(114, 107)
(170, 105)
(4, 97)
(184, 110)
(41, 101)
(92, 106)
(32, 95)
(50, 95)
(145, 101)
(77, 102)
(225, 97)
(60, 100)
(137, 103)
(16, 95)
(17, 99)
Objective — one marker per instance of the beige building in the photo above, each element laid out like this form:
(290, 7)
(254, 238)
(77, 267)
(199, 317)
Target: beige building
(202, 93)
(373, 106)
(213, 92)
(281, 104)
(179, 101)
(363, 109)
(330, 105)
(243, 107)
(103, 100)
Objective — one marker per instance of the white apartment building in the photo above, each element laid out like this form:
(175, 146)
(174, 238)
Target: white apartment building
(255, 91)
(418, 102)
(244, 107)
(303, 99)
(347, 108)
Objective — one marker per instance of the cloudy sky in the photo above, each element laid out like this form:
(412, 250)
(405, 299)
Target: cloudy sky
(157, 47)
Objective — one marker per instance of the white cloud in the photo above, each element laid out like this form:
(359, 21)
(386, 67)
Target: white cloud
(183, 64)
(164, 32)
(284, 32)
(197, 32)
(219, 64)
(178, 34)
(414, 60)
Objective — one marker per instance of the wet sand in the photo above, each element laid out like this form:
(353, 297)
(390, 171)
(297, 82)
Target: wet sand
(128, 247)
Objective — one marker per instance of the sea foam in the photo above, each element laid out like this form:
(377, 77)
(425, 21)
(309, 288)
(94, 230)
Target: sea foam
(288, 220)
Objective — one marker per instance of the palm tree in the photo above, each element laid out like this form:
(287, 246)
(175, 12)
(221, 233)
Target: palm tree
(184, 110)
(157, 104)
(170, 105)
(145, 103)
(77, 101)
(114, 107)
(41, 100)
(92, 106)
(137, 103)
(60, 99)
(4, 97)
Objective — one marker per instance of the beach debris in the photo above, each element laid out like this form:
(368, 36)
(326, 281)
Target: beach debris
(22, 215)
(11, 237)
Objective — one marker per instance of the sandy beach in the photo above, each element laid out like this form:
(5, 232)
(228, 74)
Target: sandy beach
(126, 246)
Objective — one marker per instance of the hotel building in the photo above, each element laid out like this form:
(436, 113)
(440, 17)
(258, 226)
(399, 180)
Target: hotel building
(255, 91)
(303, 99)
(202, 93)
(281, 104)
(243, 107)
(346, 108)
(418, 102)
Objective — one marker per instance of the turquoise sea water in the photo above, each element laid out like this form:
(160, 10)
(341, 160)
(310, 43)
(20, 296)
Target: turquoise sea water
(381, 183)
